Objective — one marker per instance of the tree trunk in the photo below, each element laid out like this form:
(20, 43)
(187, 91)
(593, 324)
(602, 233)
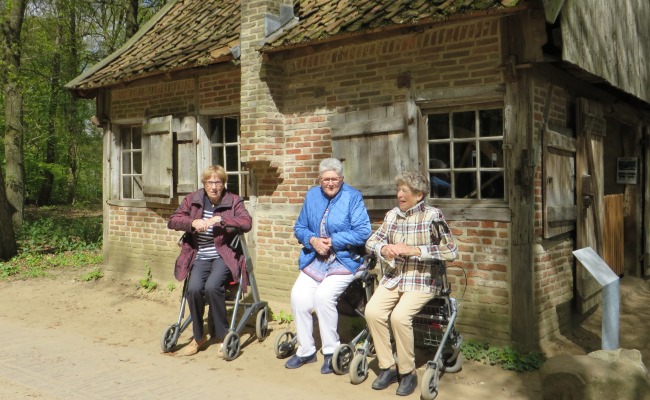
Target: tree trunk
(8, 247)
(73, 124)
(14, 11)
(131, 18)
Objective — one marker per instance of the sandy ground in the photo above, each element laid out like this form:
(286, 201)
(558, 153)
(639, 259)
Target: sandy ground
(67, 339)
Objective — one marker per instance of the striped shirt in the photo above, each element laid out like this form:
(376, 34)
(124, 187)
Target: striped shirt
(207, 249)
(422, 226)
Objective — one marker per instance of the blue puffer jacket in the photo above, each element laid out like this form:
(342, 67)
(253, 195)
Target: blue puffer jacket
(347, 224)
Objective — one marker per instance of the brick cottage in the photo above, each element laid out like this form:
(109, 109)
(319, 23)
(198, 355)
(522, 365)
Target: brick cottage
(517, 110)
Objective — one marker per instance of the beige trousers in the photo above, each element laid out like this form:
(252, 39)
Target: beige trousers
(400, 308)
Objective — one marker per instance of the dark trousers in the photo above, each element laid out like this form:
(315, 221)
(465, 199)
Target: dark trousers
(208, 281)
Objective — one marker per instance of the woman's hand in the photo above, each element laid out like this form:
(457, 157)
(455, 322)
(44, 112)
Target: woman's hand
(390, 251)
(200, 225)
(321, 245)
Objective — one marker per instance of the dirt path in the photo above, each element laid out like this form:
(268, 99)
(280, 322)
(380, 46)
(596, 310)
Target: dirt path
(66, 339)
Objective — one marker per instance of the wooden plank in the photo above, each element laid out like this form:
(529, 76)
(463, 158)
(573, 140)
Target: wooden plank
(614, 233)
(185, 136)
(156, 128)
(468, 92)
(559, 141)
(375, 126)
(158, 190)
(562, 213)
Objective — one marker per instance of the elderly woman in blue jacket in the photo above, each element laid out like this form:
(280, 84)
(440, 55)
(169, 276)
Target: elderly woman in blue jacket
(333, 227)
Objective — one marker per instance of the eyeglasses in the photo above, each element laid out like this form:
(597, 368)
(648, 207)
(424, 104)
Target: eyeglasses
(330, 180)
(213, 183)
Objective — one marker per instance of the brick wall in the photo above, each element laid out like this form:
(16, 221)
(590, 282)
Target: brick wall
(138, 239)
(156, 99)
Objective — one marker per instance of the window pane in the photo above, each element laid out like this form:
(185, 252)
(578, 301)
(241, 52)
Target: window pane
(464, 155)
(137, 162)
(438, 155)
(232, 158)
(126, 139)
(137, 137)
(438, 126)
(127, 192)
(440, 186)
(464, 125)
(492, 185)
(233, 185)
(491, 122)
(137, 187)
(126, 163)
(465, 185)
(232, 125)
(217, 130)
(217, 156)
(491, 154)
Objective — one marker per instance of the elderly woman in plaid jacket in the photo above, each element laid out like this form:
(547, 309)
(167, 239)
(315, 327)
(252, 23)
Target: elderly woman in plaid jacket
(412, 236)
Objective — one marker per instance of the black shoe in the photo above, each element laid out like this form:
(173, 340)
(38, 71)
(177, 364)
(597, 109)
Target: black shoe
(385, 378)
(407, 384)
(296, 361)
(327, 365)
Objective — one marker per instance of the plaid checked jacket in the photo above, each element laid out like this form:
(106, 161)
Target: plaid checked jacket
(422, 226)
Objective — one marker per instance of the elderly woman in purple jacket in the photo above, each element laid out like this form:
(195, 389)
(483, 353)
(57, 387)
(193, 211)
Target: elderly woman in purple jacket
(333, 226)
(203, 216)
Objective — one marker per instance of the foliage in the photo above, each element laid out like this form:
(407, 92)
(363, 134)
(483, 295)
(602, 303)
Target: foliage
(93, 275)
(147, 283)
(46, 230)
(171, 286)
(53, 239)
(507, 357)
(61, 39)
(282, 317)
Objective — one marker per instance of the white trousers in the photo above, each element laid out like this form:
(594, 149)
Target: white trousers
(308, 295)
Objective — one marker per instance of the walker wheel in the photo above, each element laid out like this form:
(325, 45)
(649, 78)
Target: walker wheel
(454, 365)
(169, 338)
(262, 324)
(341, 358)
(429, 386)
(284, 343)
(358, 369)
(231, 346)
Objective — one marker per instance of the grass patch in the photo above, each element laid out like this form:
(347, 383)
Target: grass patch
(54, 238)
(507, 357)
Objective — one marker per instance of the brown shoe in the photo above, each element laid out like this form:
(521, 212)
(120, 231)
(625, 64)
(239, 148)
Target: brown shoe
(194, 347)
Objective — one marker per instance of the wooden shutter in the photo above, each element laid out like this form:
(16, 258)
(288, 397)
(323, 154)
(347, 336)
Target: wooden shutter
(157, 160)
(375, 147)
(186, 168)
(560, 210)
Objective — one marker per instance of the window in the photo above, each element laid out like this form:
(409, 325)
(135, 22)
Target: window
(225, 149)
(465, 153)
(131, 160)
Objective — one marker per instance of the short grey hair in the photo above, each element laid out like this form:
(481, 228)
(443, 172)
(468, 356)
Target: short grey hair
(416, 180)
(330, 164)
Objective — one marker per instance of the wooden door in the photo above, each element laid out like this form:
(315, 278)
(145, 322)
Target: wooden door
(590, 132)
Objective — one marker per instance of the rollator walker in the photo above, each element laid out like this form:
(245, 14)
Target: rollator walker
(235, 298)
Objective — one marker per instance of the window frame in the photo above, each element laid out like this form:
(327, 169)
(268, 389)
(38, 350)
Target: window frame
(125, 130)
(431, 108)
(240, 174)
